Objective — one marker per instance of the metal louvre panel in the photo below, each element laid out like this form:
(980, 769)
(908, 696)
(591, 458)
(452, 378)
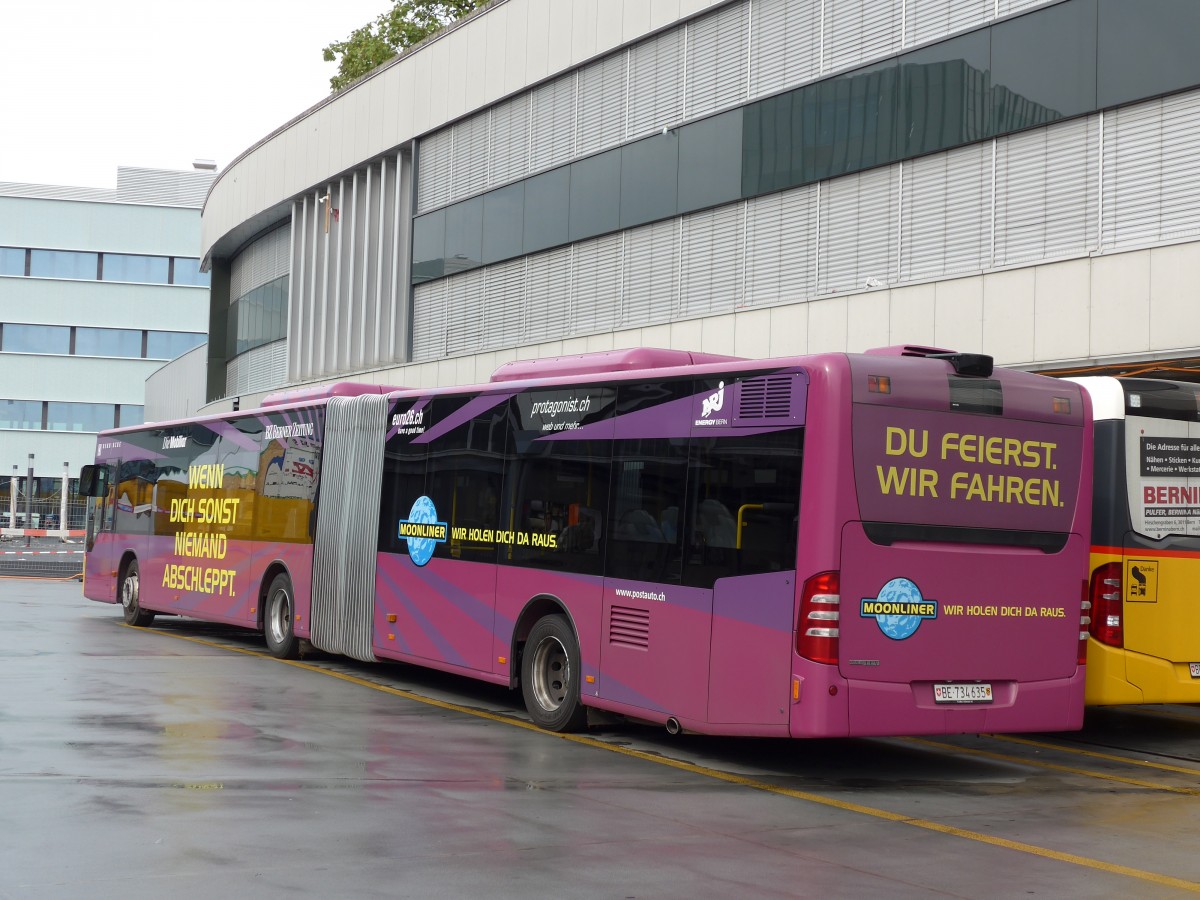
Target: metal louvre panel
(712, 261)
(655, 84)
(927, 20)
(344, 552)
(547, 310)
(947, 214)
(858, 230)
(1004, 7)
(781, 247)
(651, 274)
(602, 104)
(785, 44)
(469, 172)
(716, 61)
(553, 140)
(510, 141)
(264, 260)
(429, 320)
(464, 313)
(860, 30)
(433, 170)
(503, 310)
(596, 268)
(1151, 181)
(233, 376)
(1046, 192)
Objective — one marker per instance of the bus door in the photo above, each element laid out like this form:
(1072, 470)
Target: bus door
(97, 484)
(961, 585)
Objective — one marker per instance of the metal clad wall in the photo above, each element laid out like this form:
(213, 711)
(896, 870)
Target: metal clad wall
(1151, 179)
(1046, 184)
(348, 296)
(946, 213)
(926, 20)
(266, 259)
(716, 61)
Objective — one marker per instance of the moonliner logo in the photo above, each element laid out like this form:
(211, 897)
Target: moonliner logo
(422, 531)
(899, 609)
(712, 404)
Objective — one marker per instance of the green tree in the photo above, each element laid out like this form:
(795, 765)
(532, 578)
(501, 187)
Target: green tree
(408, 22)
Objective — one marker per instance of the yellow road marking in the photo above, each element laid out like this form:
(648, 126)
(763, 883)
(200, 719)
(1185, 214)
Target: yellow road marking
(741, 780)
(1095, 754)
(1056, 767)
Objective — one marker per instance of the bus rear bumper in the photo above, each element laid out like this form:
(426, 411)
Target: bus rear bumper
(875, 709)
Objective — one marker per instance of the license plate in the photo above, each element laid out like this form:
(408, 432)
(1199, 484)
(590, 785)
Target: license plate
(962, 693)
(1195, 667)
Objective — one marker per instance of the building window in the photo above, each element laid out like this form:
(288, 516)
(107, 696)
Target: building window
(122, 342)
(36, 339)
(260, 317)
(185, 270)
(170, 344)
(137, 269)
(63, 264)
(12, 261)
(79, 416)
(130, 415)
(22, 414)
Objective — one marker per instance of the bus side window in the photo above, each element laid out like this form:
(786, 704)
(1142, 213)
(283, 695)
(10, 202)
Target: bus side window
(745, 495)
(648, 490)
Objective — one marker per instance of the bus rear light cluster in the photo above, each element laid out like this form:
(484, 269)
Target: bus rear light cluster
(1085, 621)
(1106, 610)
(817, 630)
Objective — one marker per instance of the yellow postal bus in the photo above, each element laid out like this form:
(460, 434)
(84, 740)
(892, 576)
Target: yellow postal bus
(1144, 588)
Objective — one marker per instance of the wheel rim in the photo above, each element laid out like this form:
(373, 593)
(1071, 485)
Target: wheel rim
(279, 614)
(129, 592)
(551, 674)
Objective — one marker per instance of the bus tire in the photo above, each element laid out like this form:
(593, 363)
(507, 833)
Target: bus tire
(129, 590)
(550, 673)
(279, 619)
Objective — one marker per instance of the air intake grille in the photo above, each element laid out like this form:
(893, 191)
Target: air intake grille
(768, 399)
(629, 627)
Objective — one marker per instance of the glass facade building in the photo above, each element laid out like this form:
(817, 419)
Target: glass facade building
(98, 289)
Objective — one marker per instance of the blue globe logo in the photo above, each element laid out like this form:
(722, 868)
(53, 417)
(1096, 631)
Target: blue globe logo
(899, 609)
(420, 549)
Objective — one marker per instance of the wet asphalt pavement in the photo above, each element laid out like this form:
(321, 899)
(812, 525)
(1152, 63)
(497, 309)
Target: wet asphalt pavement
(182, 761)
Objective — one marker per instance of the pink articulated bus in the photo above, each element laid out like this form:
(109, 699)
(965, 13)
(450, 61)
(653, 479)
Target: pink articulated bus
(886, 543)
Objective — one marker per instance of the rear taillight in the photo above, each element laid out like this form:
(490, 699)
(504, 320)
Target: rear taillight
(1085, 621)
(1106, 625)
(817, 630)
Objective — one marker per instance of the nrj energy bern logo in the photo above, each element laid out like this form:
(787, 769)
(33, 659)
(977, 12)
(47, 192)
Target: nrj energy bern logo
(899, 609)
(422, 530)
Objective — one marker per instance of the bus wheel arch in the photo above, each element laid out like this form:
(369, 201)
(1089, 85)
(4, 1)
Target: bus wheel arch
(129, 593)
(277, 605)
(550, 666)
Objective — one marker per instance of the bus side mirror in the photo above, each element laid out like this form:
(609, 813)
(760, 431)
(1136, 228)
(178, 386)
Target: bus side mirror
(93, 481)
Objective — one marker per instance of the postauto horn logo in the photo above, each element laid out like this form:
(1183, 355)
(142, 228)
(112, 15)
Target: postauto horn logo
(422, 530)
(899, 609)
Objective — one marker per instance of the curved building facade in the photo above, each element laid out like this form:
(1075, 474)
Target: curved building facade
(751, 177)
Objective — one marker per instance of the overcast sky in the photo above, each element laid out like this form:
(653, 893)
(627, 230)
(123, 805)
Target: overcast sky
(92, 84)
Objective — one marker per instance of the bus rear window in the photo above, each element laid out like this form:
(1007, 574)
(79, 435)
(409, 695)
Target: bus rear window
(981, 395)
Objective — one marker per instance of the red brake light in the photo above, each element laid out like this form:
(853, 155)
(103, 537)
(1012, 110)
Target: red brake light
(817, 630)
(1106, 625)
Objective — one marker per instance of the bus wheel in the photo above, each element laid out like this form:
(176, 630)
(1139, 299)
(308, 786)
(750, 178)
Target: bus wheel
(130, 593)
(550, 676)
(279, 619)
